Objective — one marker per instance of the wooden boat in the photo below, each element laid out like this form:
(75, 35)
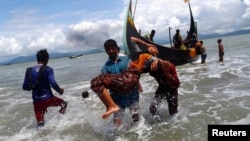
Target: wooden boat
(77, 56)
(175, 56)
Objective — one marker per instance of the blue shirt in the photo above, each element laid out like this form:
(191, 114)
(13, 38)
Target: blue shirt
(48, 81)
(118, 67)
(111, 67)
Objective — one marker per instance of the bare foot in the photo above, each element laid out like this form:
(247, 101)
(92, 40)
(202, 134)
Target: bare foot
(110, 111)
(63, 108)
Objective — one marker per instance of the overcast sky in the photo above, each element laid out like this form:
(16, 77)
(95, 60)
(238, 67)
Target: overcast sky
(77, 25)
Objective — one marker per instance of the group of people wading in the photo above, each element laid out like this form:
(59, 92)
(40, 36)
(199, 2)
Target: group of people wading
(113, 87)
(118, 86)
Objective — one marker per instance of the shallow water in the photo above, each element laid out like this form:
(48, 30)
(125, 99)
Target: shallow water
(208, 94)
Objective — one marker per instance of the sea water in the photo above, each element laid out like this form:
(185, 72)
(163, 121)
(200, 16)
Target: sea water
(213, 93)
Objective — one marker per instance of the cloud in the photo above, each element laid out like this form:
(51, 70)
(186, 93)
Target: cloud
(88, 35)
(246, 14)
(212, 16)
(9, 46)
(27, 31)
(54, 41)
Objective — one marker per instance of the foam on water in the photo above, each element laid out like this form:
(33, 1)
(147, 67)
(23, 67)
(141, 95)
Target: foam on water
(208, 94)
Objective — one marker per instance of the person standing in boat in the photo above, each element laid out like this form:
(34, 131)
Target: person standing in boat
(190, 40)
(150, 36)
(193, 40)
(116, 65)
(139, 31)
(163, 71)
(39, 79)
(221, 50)
(203, 52)
(177, 39)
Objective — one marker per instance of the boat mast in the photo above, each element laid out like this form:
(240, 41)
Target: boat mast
(169, 31)
(193, 27)
(134, 10)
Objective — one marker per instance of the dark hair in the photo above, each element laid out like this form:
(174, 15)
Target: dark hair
(110, 43)
(219, 40)
(177, 30)
(42, 55)
(201, 41)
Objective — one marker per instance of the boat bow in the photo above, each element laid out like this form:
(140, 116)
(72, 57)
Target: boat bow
(175, 56)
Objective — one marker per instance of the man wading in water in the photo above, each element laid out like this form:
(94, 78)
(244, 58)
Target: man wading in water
(39, 79)
(143, 62)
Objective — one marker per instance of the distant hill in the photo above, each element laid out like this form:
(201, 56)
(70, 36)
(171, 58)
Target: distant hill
(22, 59)
(223, 35)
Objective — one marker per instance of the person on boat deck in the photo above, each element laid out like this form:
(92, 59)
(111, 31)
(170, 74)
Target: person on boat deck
(39, 79)
(190, 40)
(163, 71)
(177, 39)
(116, 65)
(203, 52)
(194, 39)
(221, 50)
(139, 31)
(150, 36)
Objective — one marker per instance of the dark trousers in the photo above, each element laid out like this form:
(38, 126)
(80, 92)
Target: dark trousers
(171, 96)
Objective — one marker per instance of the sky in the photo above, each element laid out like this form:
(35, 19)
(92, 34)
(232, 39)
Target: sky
(77, 25)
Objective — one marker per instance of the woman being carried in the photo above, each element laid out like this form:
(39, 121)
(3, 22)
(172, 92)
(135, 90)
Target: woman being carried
(142, 62)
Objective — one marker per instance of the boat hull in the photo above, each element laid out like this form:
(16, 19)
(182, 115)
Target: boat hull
(175, 56)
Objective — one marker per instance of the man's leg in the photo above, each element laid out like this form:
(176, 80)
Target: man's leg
(134, 110)
(173, 102)
(39, 113)
(154, 105)
(118, 117)
(56, 101)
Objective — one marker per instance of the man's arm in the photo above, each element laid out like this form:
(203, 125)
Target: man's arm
(26, 81)
(150, 47)
(103, 70)
(53, 82)
(222, 47)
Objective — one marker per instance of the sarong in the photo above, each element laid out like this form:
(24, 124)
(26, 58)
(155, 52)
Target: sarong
(166, 75)
(40, 107)
(118, 83)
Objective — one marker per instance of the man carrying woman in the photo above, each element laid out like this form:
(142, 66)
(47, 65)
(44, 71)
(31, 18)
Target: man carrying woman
(163, 71)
